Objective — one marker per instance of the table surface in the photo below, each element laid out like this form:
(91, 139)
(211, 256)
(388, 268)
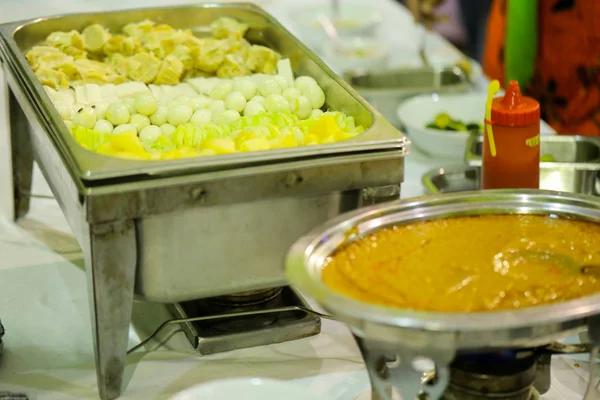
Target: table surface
(44, 306)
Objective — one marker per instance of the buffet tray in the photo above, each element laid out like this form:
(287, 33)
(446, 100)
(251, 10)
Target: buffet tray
(567, 151)
(460, 178)
(574, 168)
(191, 226)
(386, 89)
(17, 37)
(188, 229)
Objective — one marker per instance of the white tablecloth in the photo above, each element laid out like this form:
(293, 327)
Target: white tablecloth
(43, 292)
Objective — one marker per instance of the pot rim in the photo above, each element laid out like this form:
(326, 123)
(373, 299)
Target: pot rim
(306, 257)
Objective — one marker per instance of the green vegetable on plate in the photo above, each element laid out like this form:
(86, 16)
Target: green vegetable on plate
(445, 122)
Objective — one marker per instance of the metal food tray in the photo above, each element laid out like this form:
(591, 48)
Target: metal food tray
(18, 37)
(576, 165)
(460, 178)
(195, 228)
(386, 89)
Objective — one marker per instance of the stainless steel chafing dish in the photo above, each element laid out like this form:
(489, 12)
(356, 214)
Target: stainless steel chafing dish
(188, 229)
(386, 89)
(460, 178)
(575, 166)
(388, 333)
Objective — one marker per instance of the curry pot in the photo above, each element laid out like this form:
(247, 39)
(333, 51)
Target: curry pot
(407, 335)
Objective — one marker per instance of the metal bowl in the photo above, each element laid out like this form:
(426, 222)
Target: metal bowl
(408, 335)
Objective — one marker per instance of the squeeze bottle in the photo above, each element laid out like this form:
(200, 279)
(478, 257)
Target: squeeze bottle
(511, 144)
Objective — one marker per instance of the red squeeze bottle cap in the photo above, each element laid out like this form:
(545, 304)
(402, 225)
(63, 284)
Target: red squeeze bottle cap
(515, 109)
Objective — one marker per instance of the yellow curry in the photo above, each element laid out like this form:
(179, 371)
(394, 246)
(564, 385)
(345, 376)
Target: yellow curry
(470, 264)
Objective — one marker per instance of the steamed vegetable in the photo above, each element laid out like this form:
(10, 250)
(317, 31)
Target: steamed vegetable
(444, 122)
(148, 52)
(263, 131)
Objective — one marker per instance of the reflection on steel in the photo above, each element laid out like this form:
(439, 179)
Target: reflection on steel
(575, 165)
(460, 178)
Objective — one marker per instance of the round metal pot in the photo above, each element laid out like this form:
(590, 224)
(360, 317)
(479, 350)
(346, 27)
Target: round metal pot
(407, 335)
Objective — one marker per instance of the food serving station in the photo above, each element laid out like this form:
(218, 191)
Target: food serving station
(183, 233)
(123, 213)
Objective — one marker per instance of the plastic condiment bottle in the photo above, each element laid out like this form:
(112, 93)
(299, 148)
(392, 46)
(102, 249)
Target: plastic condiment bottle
(511, 144)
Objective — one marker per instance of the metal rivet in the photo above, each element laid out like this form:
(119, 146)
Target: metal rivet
(293, 179)
(197, 193)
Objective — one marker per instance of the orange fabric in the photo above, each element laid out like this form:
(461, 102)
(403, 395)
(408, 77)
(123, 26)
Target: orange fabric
(567, 74)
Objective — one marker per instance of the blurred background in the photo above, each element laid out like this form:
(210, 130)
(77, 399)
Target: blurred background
(465, 25)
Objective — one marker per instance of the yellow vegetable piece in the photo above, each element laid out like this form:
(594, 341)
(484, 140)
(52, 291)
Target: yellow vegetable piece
(289, 141)
(182, 152)
(94, 37)
(113, 45)
(219, 146)
(242, 137)
(311, 138)
(140, 29)
(70, 43)
(108, 150)
(341, 135)
(47, 57)
(53, 78)
(284, 142)
(264, 58)
(129, 46)
(325, 127)
(128, 142)
(105, 149)
(258, 144)
(143, 67)
(207, 152)
(170, 71)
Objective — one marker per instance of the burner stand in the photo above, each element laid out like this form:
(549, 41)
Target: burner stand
(494, 376)
(222, 332)
(472, 386)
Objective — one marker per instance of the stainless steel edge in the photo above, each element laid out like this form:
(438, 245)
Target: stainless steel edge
(91, 166)
(143, 198)
(65, 188)
(516, 327)
(404, 83)
(474, 142)
(456, 178)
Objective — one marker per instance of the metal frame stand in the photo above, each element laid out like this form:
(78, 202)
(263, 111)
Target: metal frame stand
(390, 366)
(110, 260)
(110, 267)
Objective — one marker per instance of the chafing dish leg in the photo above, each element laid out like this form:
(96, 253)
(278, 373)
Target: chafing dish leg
(394, 366)
(378, 372)
(22, 157)
(110, 251)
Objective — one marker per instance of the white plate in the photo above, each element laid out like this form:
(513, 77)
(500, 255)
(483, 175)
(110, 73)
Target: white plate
(247, 389)
(415, 113)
